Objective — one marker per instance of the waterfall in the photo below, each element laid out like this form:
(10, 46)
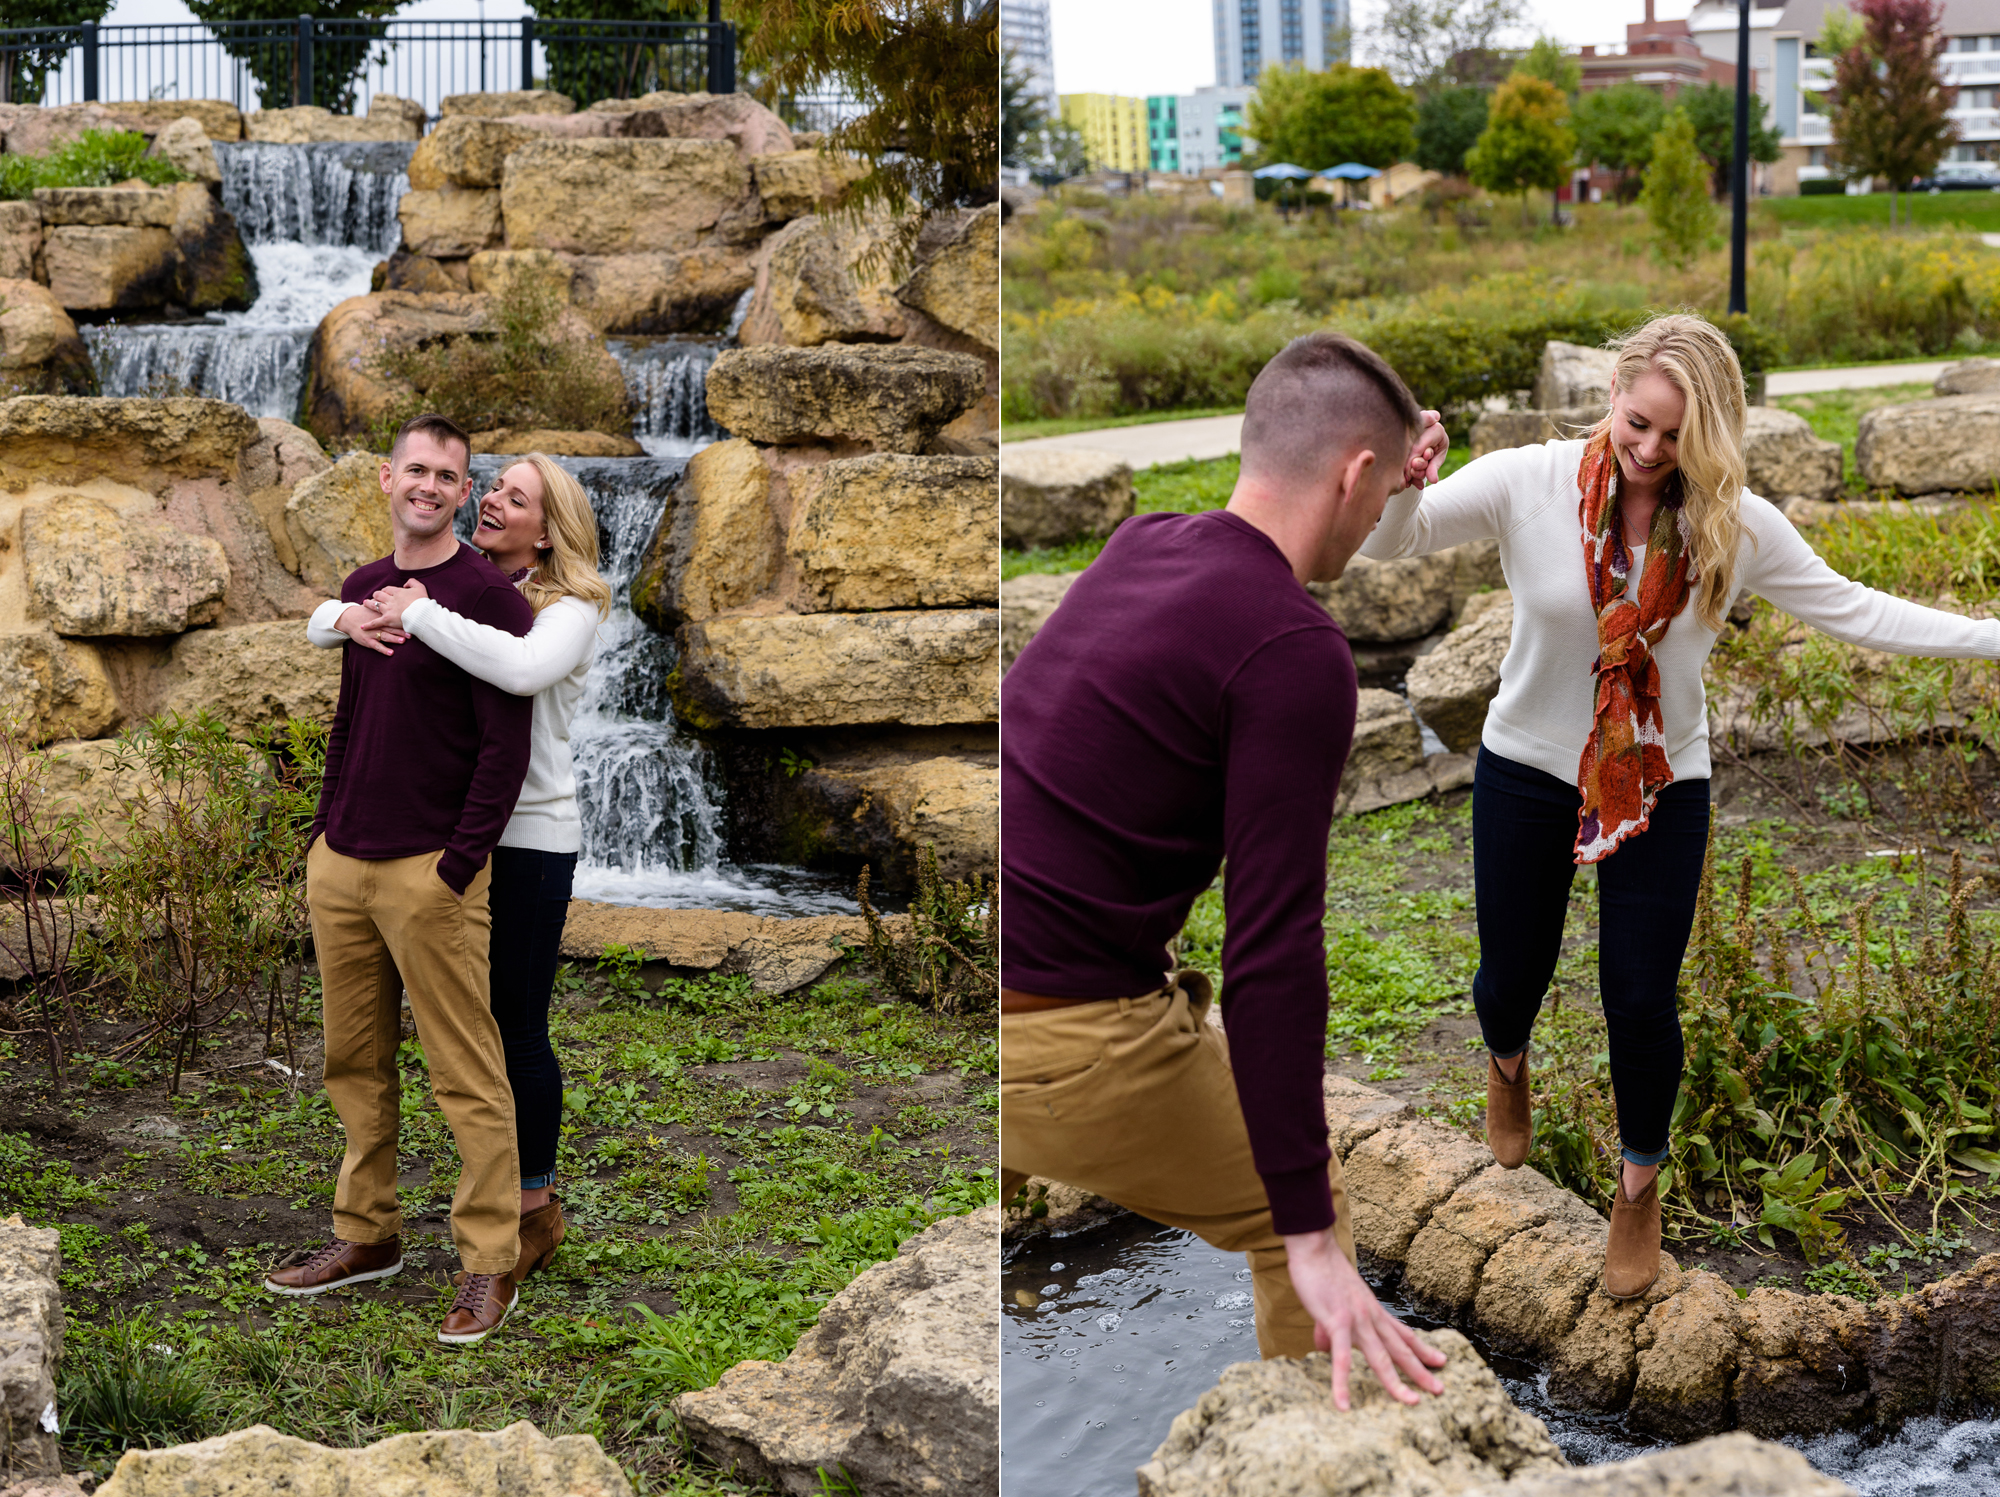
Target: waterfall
(667, 381)
(315, 219)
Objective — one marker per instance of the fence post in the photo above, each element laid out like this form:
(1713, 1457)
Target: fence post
(527, 52)
(721, 52)
(90, 61)
(302, 63)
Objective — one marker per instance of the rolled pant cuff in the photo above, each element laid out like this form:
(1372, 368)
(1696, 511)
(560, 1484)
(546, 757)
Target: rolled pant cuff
(490, 1265)
(538, 1182)
(1633, 1156)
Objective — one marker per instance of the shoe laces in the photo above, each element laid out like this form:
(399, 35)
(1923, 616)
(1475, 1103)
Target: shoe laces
(473, 1290)
(321, 1256)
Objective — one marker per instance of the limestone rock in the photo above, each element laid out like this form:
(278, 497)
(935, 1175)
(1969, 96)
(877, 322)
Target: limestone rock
(1446, 1257)
(1269, 1427)
(252, 676)
(882, 807)
(1479, 605)
(736, 118)
(20, 241)
(658, 292)
(1683, 1388)
(1731, 1465)
(36, 130)
(896, 1383)
(31, 1337)
(1355, 1112)
(219, 119)
(437, 1463)
(1533, 1288)
(111, 269)
(1969, 377)
(276, 461)
(36, 333)
(1049, 1206)
(1596, 1365)
(1396, 1177)
(510, 440)
(337, 520)
(832, 669)
(959, 285)
(717, 545)
(261, 585)
(1052, 496)
(1930, 445)
(403, 271)
(778, 955)
(1434, 776)
(123, 207)
(891, 531)
(395, 111)
(1453, 685)
(1572, 375)
(494, 272)
(1386, 738)
(215, 273)
(144, 443)
(516, 101)
(810, 287)
(93, 571)
(53, 688)
(348, 393)
(892, 399)
(465, 150)
(619, 197)
(306, 123)
(1380, 602)
(792, 184)
(1025, 605)
(450, 222)
(1782, 457)
(187, 145)
(1496, 431)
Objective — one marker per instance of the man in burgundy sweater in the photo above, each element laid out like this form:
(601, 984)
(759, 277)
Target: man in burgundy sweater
(1190, 704)
(423, 767)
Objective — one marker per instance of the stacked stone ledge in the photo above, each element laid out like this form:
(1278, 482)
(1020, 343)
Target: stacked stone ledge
(31, 1337)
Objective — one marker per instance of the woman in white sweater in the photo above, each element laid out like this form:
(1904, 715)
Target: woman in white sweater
(1623, 551)
(536, 525)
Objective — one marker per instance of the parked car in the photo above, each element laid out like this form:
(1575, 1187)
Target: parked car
(1962, 176)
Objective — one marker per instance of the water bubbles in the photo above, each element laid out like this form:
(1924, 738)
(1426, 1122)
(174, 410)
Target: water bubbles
(1056, 1267)
(1109, 1322)
(1237, 1300)
(1243, 1276)
(1050, 1291)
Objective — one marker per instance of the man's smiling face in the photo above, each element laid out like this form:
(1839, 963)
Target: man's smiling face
(426, 483)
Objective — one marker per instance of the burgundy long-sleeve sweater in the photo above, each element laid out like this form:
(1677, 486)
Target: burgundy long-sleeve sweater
(1188, 702)
(423, 756)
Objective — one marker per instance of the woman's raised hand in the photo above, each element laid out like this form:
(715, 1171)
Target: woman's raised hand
(1427, 453)
(389, 603)
(360, 623)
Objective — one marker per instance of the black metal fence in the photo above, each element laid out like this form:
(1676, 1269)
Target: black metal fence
(341, 64)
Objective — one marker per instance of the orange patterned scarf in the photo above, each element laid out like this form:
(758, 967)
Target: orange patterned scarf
(1624, 764)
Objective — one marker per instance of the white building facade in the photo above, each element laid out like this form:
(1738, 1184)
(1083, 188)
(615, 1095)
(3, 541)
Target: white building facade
(1252, 34)
(1024, 36)
(1209, 122)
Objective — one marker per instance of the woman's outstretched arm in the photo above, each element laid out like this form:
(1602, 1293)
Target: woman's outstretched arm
(1479, 502)
(564, 634)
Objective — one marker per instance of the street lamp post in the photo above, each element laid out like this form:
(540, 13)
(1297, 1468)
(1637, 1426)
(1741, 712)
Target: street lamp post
(1739, 167)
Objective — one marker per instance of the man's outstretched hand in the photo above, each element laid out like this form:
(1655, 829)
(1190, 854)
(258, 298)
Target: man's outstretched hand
(1346, 1314)
(1427, 453)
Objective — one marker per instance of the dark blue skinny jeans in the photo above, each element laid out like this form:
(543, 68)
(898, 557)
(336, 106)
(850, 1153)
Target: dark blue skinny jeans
(1523, 859)
(530, 904)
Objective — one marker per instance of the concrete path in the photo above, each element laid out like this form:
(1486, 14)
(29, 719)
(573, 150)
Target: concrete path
(1218, 436)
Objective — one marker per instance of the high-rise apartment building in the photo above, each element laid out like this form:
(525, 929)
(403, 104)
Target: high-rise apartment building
(1024, 36)
(1252, 34)
(1210, 122)
(1113, 128)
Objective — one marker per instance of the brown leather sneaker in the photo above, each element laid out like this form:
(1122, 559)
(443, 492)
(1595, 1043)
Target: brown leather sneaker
(1632, 1256)
(1510, 1121)
(484, 1302)
(542, 1232)
(338, 1264)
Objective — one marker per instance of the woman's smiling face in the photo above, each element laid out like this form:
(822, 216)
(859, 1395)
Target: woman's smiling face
(1646, 428)
(510, 516)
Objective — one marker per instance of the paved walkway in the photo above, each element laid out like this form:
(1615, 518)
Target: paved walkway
(1218, 436)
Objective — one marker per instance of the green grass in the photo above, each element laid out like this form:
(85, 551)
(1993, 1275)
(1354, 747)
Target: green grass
(1979, 211)
(1022, 431)
(1835, 415)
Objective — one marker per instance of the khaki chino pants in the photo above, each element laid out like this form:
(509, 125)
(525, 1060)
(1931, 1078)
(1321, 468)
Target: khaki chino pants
(1133, 1099)
(381, 926)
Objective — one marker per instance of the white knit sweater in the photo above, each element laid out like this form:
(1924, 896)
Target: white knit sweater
(1526, 497)
(548, 663)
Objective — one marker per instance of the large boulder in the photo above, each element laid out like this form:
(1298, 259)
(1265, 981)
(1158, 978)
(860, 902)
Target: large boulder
(511, 441)
(187, 145)
(111, 268)
(792, 184)
(891, 531)
(1453, 685)
(1450, 1251)
(92, 570)
(272, 464)
(497, 272)
(338, 519)
(20, 241)
(519, 1460)
(836, 669)
(778, 955)
(1496, 431)
(36, 130)
(825, 280)
(37, 335)
(219, 119)
(1969, 377)
(896, 1384)
(145, 443)
(1731, 1465)
(1387, 740)
(261, 585)
(506, 102)
(1782, 457)
(450, 222)
(1927, 446)
(465, 151)
(215, 273)
(31, 1338)
(54, 688)
(621, 197)
(305, 124)
(253, 676)
(1053, 495)
(1269, 1428)
(1025, 605)
(659, 292)
(891, 399)
(1384, 602)
(1572, 375)
(103, 249)
(717, 545)
(736, 118)
(97, 207)
(958, 286)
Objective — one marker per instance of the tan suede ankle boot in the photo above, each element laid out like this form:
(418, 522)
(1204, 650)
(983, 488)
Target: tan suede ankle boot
(1510, 1122)
(1632, 1256)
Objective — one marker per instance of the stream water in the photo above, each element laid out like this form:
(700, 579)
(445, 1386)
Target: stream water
(1108, 1334)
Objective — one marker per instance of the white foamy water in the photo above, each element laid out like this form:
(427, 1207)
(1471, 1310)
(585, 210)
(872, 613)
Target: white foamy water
(1926, 1458)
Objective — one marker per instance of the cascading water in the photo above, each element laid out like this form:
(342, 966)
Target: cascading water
(667, 380)
(315, 218)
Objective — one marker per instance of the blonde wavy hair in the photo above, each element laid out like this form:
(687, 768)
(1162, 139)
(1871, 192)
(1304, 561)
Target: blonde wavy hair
(1696, 359)
(568, 569)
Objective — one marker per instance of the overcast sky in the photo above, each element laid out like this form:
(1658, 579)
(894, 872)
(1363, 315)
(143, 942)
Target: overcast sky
(1168, 46)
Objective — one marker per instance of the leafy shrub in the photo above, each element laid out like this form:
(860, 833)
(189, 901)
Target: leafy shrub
(97, 158)
(948, 954)
(1863, 294)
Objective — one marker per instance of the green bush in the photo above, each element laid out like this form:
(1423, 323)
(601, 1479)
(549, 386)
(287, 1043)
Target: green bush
(98, 158)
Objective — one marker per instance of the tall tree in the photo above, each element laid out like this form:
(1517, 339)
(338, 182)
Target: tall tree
(1889, 106)
(1317, 120)
(1527, 141)
(1449, 120)
(1615, 128)
(1054, 152)
(588, 69)
(1550, 61)
(24, 81)
(1676, 194)
(1021, 112)
(1420, 42)
(337, 66)
(1711, 109)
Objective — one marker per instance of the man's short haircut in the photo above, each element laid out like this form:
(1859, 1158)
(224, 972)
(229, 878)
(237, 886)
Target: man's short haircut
(438, 428)
(1319, 399)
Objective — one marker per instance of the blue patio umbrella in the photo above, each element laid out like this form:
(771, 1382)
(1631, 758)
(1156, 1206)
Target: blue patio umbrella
(1354, 171)
(1284, 170)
